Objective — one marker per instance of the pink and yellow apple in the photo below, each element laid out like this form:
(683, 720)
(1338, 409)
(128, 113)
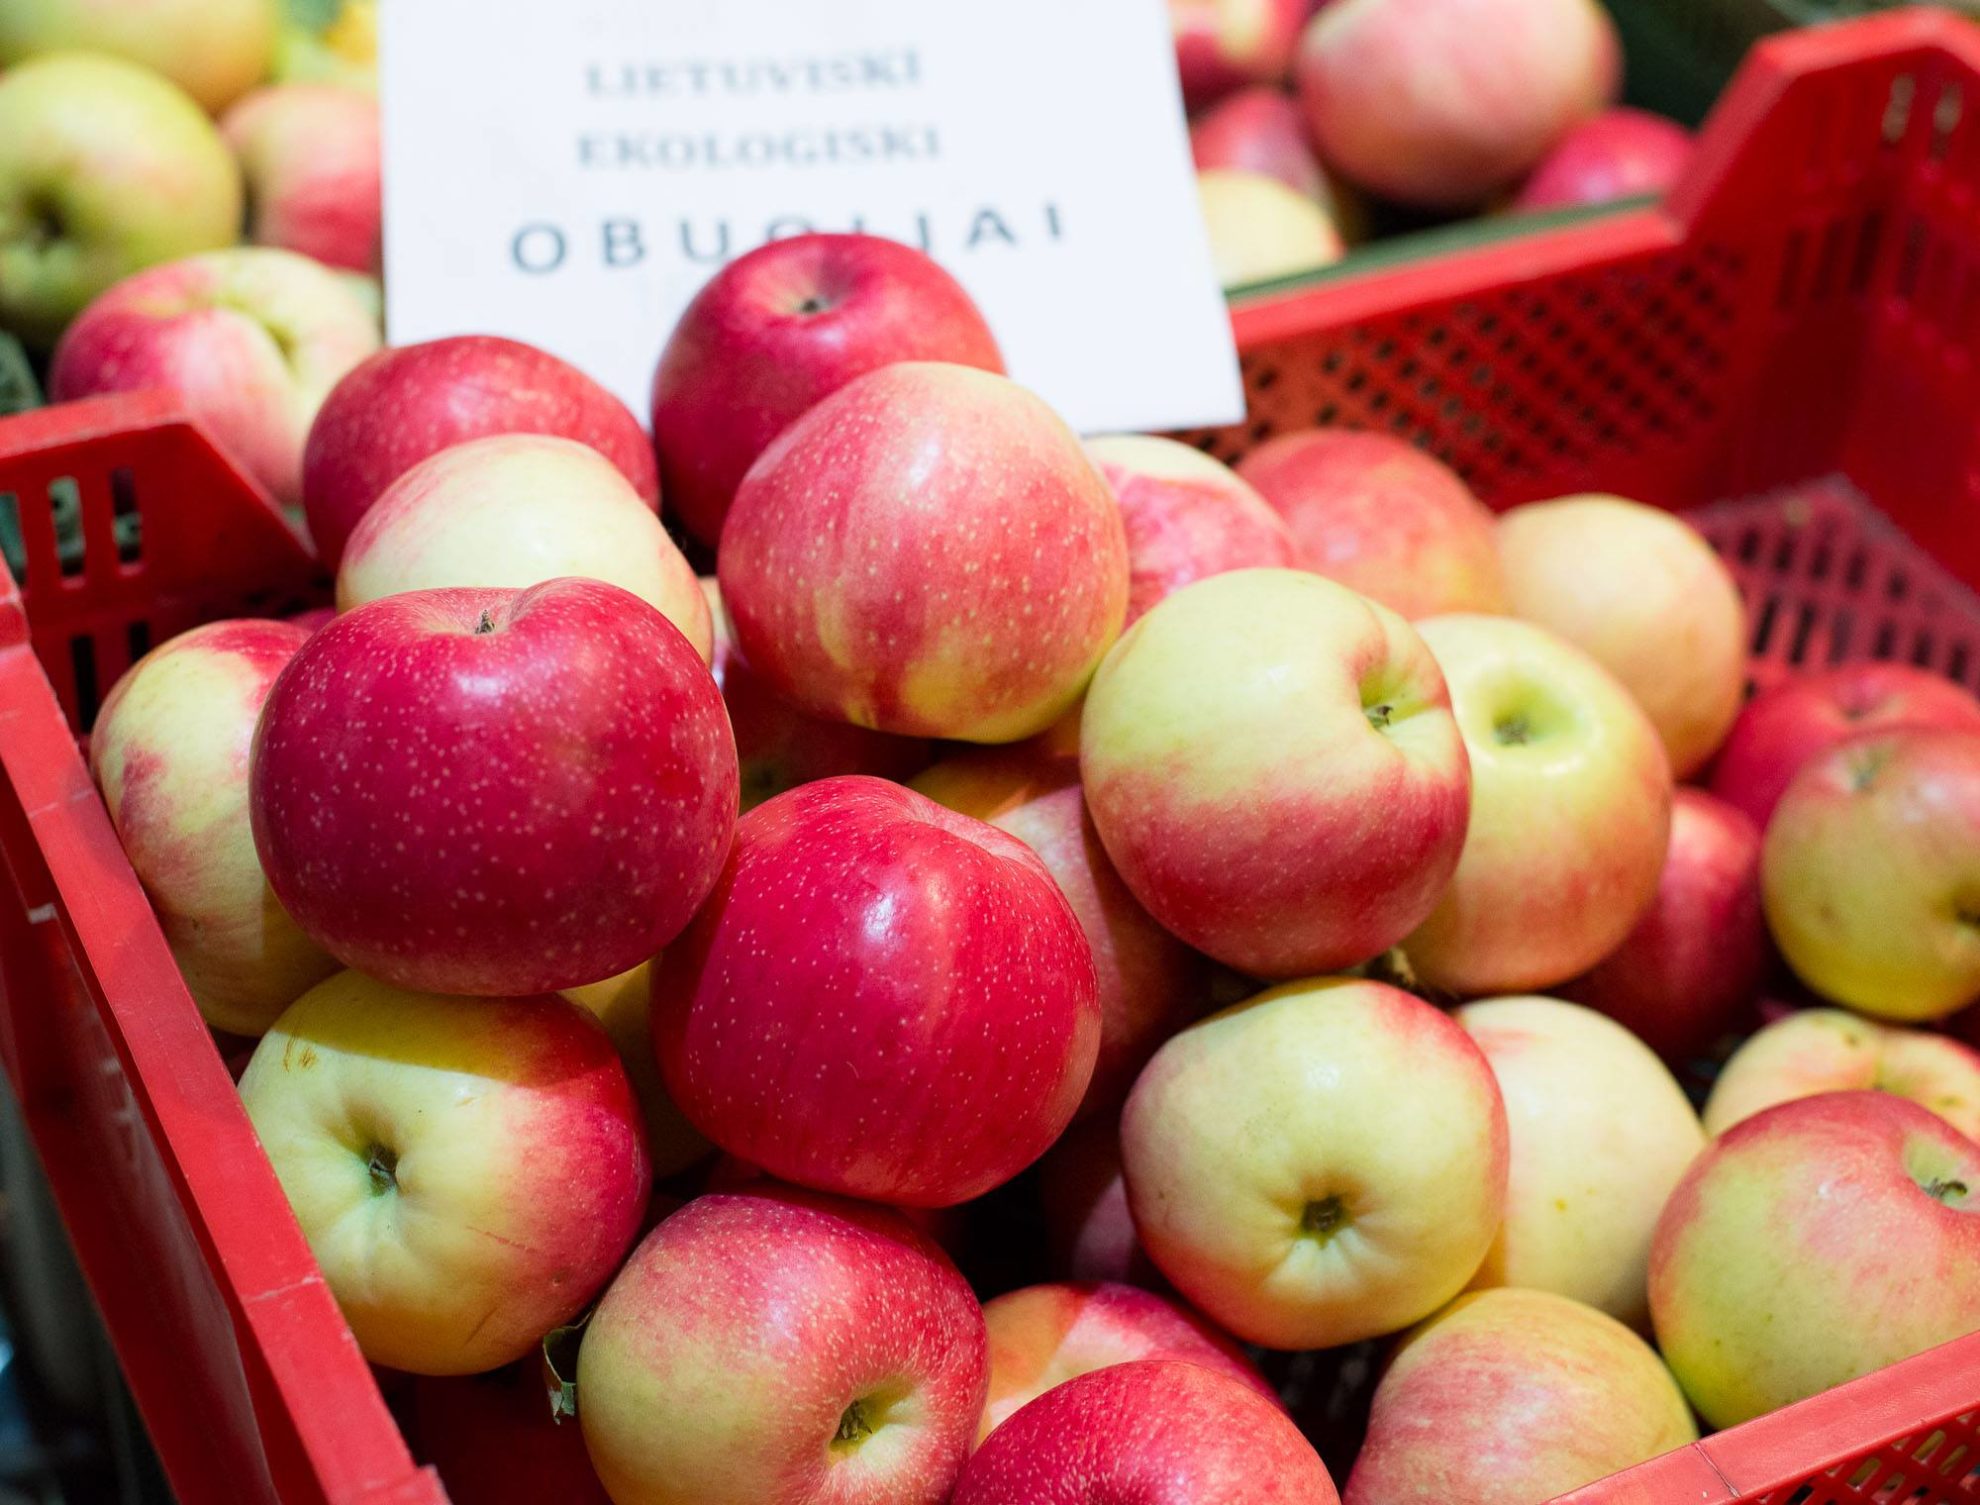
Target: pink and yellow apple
(1789, 724)
(1222, 45)
(1487, 88)
(170, 753)
(1151, 984)
(1871, 874)
(1042, 1336)
(516, 510)
(105, 169)
(1692, 968)
(310, 156)
(1188, 516)
(1510, 1397)
(1644, 594)
(1618, 154)
(624, 1005)
(215, 50)
(779, 746)
(1827, 1050)
(1812, 1243)
(1322, 1164)
(775, 1344)
(1570, 812)
(1151, 1432)
(468, 1171)
(776, 331)
(494, 791)
(1601, 1133)
(493, 1440)
(928, 551)
(1274, 768)
(1382, 518)
(250, 339)
(880, 997)
(1261, 230)
(412, 401)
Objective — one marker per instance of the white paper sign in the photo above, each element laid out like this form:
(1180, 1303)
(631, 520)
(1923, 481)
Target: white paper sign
(569, 172)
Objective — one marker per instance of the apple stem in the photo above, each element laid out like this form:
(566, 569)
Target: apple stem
(486, 624)
(1945, 1190)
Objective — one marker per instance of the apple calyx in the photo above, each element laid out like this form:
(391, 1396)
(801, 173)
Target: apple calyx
(1323, 1218)
(1514, 730)
(382, 1162)
(1379, 715)
(866, 1415)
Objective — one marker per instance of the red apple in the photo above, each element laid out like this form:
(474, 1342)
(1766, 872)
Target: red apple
(493, 1440)
(310, 156)
(1812, 1243)
(1259, 129)
(1223, 45)
(250, 339)
(947, 1226)
(779, 1345)
(1154, 1432)
(1692, 967)
(1273, 765)
(404, 404)
(1151, 984)
(1187, 515)
(1789, 724)
(1042, 1336)
(1089, 1228)
(779, 329)
(494, 791)
(1383, 518)
(468, 1171)
(1617, 154)
(1443, 103)
(928, 551)
(880, 997)
(780, 747)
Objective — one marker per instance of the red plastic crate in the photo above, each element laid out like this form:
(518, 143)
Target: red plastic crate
(1786, 347)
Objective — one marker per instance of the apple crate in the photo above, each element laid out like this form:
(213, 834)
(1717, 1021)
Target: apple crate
(1785, 350)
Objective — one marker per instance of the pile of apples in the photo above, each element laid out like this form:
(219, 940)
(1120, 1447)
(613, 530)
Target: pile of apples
(1317, 122)
(1268, 886)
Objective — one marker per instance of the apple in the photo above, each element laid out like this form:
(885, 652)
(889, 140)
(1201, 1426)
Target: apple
(1382, 518)
(1042, 1336)
(1601, 1134)
(780, 747)
(1151, 984)
(1222, 45)
(776, 1344)
(1274, 768)
(1152, 1432)
(1813, 1243)
(1260, 129)
(468, 1171)
(1489, 86)
(1692, 968)
(624, 1005)
(1089, 1228)
(516, 510)
(215, 50)
(1261, 230)
(493, 1440)
(105, 168)
(250, 339)
(1827, 1050)
(310, 156)
(406, 403)
(1645, 595)
(494, 791)
(1188, 516)
(947, 1226)
(778, 330)
(1570, 812)
(1321, 1164)
(1790, 723)
(1870, 873)
(1618, 154)
(928, 551)
(1508, 1397)
(170, 753)
(880, 997)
